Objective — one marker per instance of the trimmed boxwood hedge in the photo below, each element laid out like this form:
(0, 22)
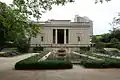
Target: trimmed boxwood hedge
(105, 63)
(32, 63)
(47, 64)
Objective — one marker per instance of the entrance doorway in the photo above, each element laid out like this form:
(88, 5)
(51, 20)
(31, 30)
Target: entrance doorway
(60, 36)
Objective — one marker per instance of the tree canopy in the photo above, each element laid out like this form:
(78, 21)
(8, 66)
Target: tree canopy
(101, 1)
(15, 25)
(36, 8)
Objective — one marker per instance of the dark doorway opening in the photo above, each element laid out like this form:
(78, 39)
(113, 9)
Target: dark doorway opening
(60, 36)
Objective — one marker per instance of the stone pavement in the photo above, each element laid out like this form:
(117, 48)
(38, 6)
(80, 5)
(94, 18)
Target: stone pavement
(77, 73)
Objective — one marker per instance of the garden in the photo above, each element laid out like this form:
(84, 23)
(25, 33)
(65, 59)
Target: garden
(98, 58)
(101, 58)
(43, 60)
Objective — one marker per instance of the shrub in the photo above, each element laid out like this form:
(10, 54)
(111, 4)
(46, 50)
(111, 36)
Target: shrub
(32, 63)
(100, 51)
(23, 49)
(106, 63)
(35, 49)
(85, 48)
(114, 40)
(118, 46)
(22, 45)
(47, 64)
(99, 45)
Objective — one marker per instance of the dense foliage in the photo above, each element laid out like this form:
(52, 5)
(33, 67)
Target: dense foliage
(15, 27)
(36, 8)
(112, 36)
(110, 40)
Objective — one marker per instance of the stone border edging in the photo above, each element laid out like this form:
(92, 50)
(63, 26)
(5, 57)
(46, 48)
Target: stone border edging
(94, 58)
(115, 57)
(44, 57)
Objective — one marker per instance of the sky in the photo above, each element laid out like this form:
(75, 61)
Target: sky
(101, 14)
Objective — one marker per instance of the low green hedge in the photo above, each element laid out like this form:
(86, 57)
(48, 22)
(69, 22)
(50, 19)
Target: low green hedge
(32, 63)
(47, 64)
(105, 63)
(36, 49)
(101, 64)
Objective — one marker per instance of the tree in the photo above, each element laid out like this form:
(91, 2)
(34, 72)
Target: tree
(2, 36)
(115, 33)
(114, 40)
(101, 1)
(95, 39)
(105, 38)
(19, 29)
(35, 8)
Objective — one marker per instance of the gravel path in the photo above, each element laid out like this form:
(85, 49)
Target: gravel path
(77, 73)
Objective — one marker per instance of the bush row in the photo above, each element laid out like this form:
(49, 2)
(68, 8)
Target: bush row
(47, 64)
(100, 64)
(107, 62)
(32, 63)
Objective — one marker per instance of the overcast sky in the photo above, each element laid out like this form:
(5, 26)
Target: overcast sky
(100, 14)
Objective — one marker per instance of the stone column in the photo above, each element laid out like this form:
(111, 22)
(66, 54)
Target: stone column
(55, 36)
(64, 36)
